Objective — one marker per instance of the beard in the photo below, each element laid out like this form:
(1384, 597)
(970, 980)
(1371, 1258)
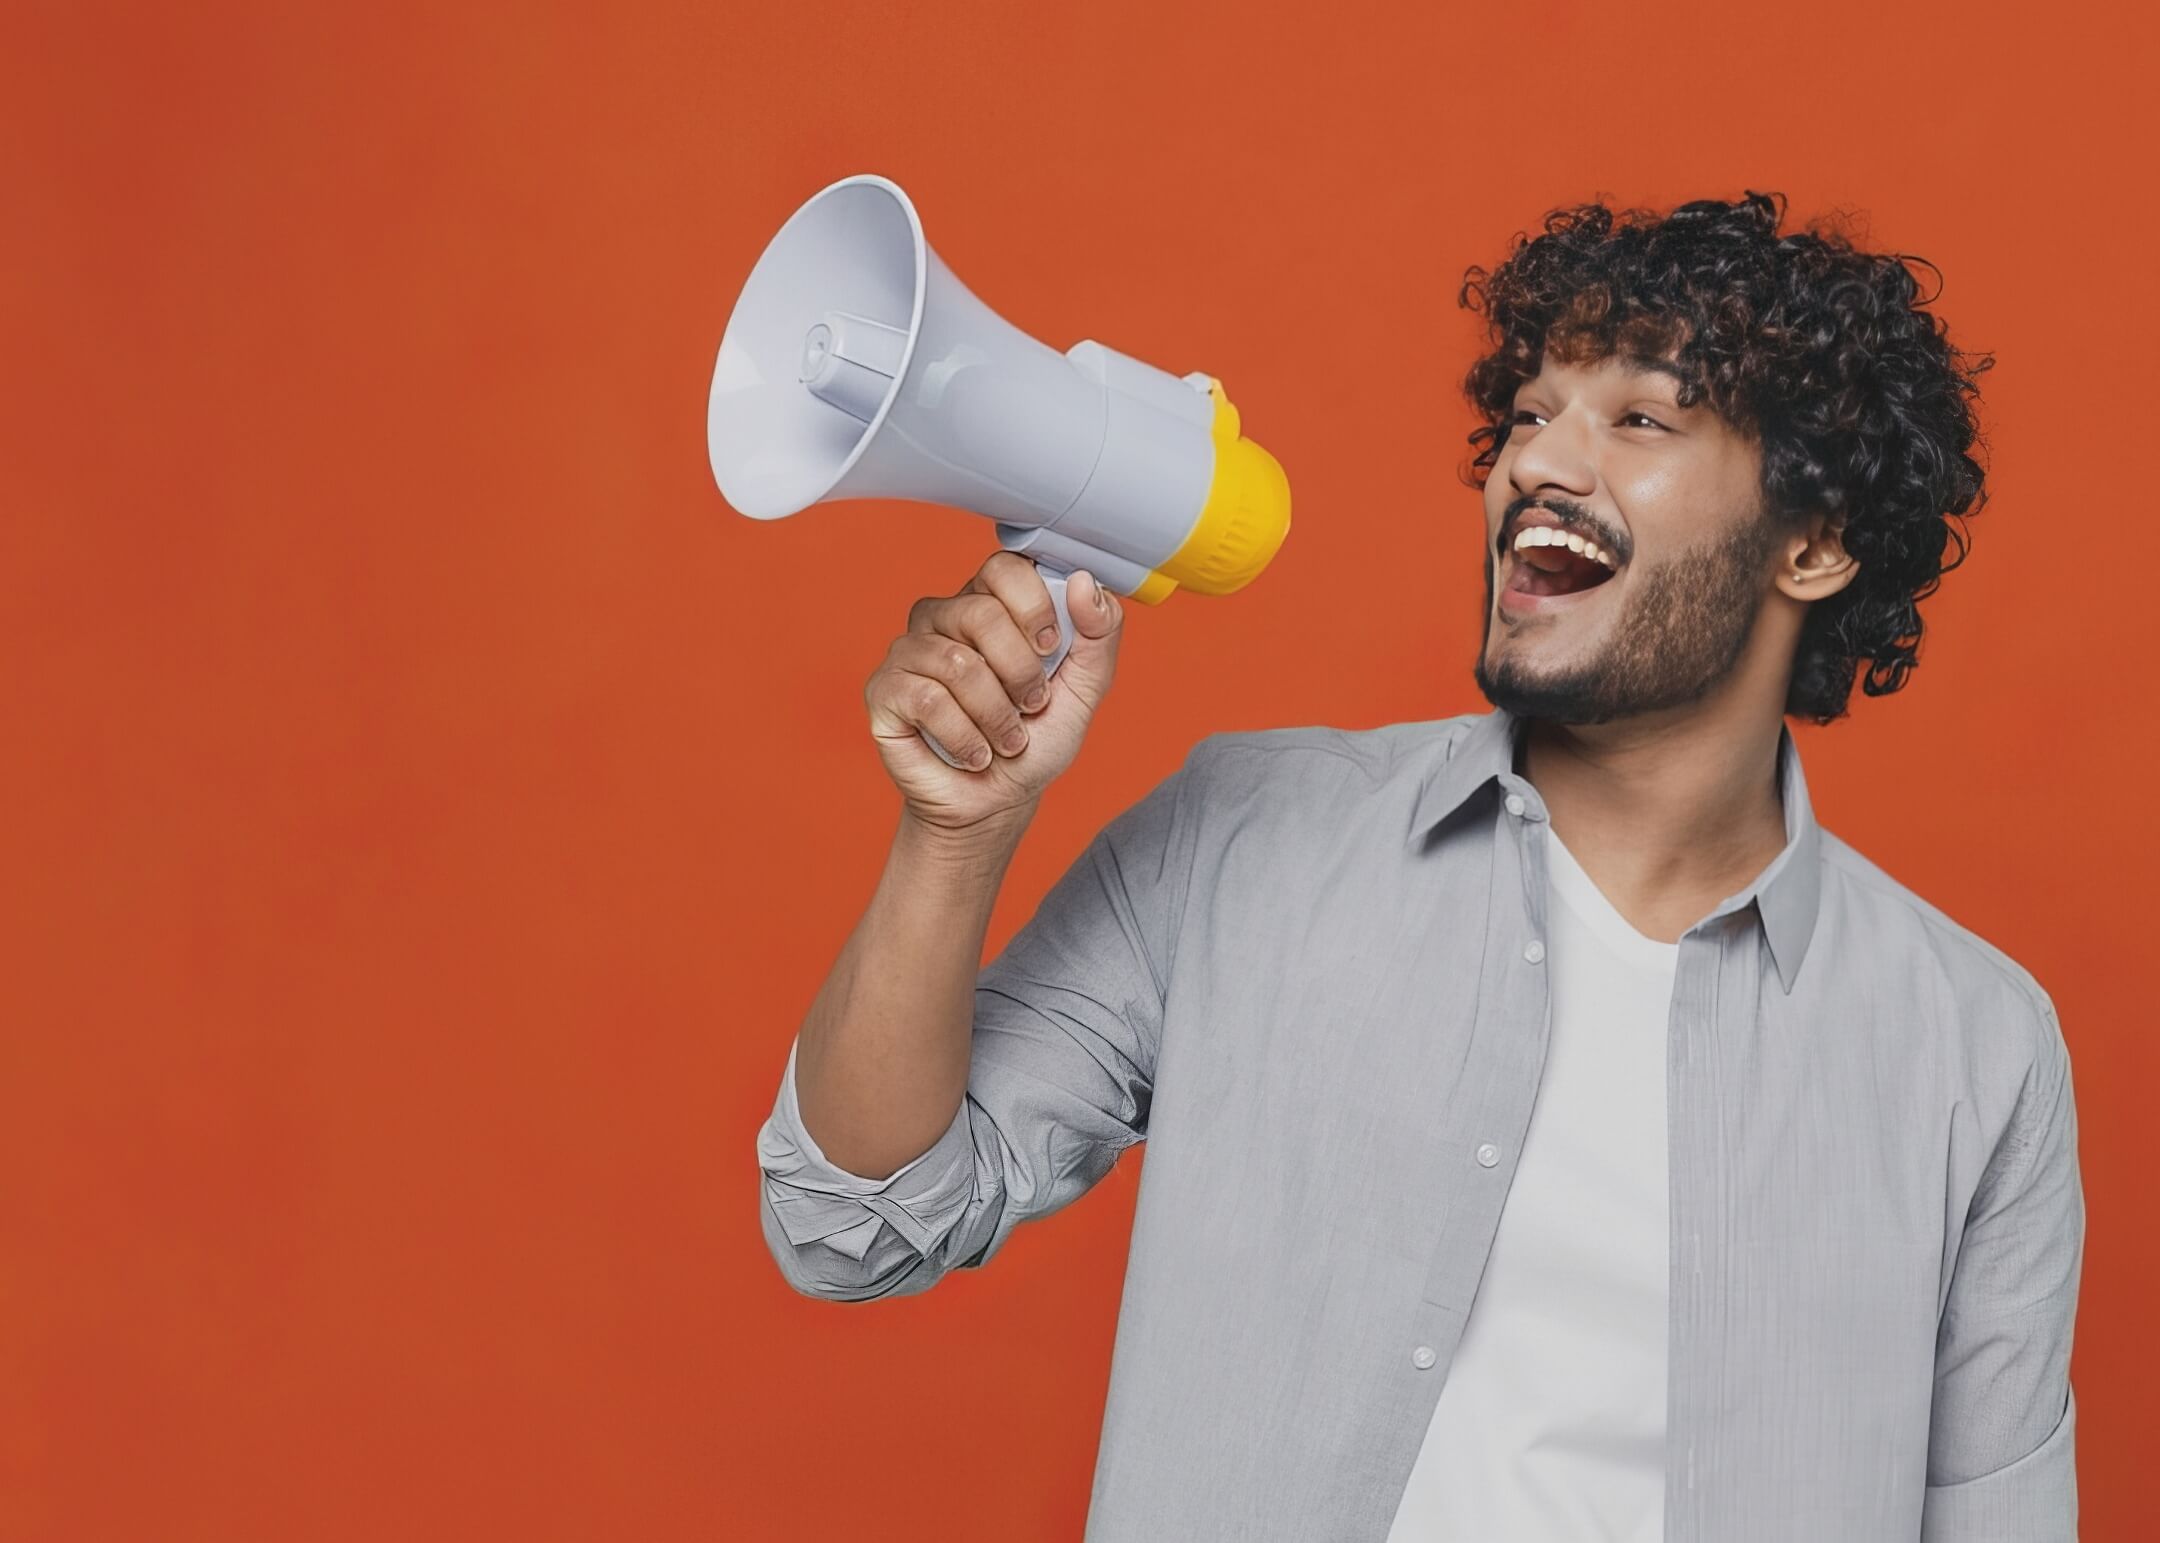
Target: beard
(1681, 630)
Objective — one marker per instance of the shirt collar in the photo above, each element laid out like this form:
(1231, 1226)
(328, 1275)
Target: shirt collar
(1786, 894)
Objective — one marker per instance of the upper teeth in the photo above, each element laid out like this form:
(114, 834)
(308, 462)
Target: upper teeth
(1547, 535)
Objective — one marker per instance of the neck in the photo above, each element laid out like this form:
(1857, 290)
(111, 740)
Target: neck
(1669, 812)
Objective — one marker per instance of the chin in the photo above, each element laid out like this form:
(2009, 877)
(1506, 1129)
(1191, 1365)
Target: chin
(1538, 658)
(1554, 694)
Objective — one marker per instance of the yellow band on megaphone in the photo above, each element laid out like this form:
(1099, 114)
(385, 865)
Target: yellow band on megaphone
(1242, 524)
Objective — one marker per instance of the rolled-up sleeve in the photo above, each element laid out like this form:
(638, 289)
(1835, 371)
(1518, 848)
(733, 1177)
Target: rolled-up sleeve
(2002, 1443)
(1068, 1020)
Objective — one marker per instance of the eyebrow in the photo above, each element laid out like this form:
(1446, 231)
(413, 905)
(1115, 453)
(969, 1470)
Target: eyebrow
(1644, 365)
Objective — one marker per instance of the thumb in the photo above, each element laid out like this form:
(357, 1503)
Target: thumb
(1098, 623)
(1095, 610)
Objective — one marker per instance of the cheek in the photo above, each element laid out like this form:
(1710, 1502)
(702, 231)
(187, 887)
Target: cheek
(1668, 504)
(1650, 494)
(1677, 493)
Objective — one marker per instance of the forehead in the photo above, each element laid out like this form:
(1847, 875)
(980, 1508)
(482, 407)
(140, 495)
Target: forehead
(1631, 372)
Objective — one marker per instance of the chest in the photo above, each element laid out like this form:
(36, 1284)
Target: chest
(1362, 1055)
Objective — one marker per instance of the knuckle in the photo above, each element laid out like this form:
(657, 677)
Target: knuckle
(923, 696)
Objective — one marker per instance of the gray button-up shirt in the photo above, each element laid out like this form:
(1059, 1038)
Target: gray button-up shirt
(1308, 969)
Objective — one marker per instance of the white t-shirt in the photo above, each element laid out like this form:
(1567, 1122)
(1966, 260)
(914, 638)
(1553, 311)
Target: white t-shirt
(1551, 1423)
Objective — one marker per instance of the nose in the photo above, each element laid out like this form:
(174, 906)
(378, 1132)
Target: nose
(1554, 456)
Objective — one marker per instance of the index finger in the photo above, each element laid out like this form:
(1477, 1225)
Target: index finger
(1015, 580)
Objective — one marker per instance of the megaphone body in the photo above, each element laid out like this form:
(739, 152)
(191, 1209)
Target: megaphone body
(855, 365)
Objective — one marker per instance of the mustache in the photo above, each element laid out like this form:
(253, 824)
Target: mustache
(1572, 516)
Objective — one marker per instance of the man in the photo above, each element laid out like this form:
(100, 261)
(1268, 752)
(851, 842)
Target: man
(1554, 1132)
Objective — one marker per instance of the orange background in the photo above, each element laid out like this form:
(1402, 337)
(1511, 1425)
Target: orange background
(427, 810)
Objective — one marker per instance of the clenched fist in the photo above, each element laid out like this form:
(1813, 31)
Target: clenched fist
(966, 670)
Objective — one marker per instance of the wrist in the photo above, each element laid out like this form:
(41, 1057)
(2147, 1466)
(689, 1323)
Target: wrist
(991, 839)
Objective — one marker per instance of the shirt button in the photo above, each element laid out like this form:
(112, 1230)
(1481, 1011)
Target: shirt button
(1487, 1155)
(1423, 1357)
(1533, 951)
(1514, 803)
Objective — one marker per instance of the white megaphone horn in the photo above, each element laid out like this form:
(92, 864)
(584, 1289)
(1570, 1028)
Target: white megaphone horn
(856, 366)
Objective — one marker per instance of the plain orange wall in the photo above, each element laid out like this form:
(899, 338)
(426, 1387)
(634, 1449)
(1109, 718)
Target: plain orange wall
(427, 810)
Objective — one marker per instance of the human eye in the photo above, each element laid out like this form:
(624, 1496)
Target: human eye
(1645, 418)
(1521, 413)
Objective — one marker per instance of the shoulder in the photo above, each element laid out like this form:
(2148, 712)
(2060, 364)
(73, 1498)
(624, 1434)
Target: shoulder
(1288, 762)
(1316, 797)
(2000, 1010)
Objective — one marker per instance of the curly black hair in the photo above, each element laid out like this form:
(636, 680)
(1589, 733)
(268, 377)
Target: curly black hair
(1819, 351)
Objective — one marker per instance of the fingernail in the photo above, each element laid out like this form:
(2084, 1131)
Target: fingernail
(1036, 698)
(1046, 639)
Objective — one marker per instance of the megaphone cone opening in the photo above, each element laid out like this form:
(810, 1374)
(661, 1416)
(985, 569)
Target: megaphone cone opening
(855, 248)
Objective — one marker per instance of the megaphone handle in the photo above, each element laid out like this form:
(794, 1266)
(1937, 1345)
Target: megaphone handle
(1054, 580)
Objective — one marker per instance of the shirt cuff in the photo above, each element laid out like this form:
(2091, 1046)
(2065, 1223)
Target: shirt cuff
(817, 1201)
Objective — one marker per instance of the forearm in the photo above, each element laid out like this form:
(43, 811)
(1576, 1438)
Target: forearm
(881, 1061)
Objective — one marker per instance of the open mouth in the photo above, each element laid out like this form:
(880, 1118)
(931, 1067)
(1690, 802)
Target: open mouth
(1548, 563)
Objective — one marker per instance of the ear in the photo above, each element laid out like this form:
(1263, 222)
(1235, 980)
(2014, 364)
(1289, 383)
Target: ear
(1816, 564)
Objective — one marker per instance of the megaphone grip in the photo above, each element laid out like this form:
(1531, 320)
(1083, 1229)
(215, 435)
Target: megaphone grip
(1054, 579)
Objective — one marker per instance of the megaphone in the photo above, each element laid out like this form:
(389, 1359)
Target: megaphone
(856, 366)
